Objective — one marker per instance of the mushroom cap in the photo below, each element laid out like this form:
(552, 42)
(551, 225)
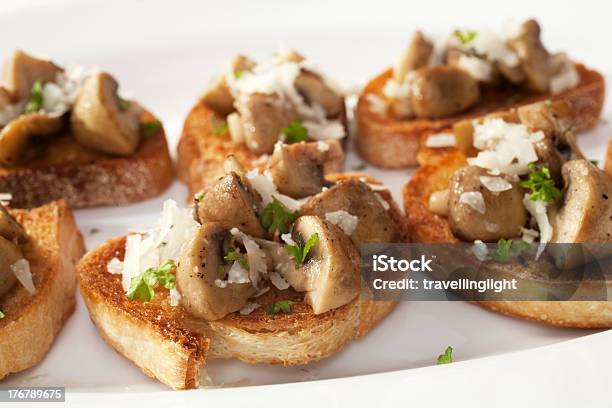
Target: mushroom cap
(22, 70)
(440, 91)
(533, 56)
(231, 203)
(219, 96)
(504, 210)
(330, 275)
(98, 122)
(315, 91)
(197, 271)
(9, 254)
(416, 56)
(374, 224)
(16, 137)
(297, 169)
(10, 229)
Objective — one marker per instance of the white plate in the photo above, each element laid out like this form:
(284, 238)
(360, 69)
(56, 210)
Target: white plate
(164, 53)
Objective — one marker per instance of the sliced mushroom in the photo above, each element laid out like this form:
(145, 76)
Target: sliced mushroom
(218, 96)
(547, 116)
(358, 199)
(9, 254)
(330, 274)
(289, 55)
(439, 91)
(21, 138)
(22, 70)
(6, 99)
(514, 74)
(482, 214)
(98, 122)
(297, 169)
(416, 56)
(316, 92)
(263, 119)
(10, 229)
(197, 271)
(230, 203)
(584, 216)
(533, 56)
(549, 156)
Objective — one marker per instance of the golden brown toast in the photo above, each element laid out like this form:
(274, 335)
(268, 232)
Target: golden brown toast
(169, 345)
(32, 322)
(202, 152)
(87, 179)
(437, 166)
(608, 164)
(388, 142)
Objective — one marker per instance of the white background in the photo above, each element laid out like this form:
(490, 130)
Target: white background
(166, 52)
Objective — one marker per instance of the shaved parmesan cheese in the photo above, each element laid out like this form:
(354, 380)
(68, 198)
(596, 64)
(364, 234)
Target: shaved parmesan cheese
(220, 283)
(249, 308)
(256, 256)
(278, 281)
(377, 104)
(441, 140)
(478, 68)
(287, 239)
(538, 210)
(115, 266)
(59, 96)
(322, 146)
(262, 291)
(383, 202)
(474, 199)
(529, 235)
(395, 90)
(21, 270)
(495, 184)
(131, 261)
(492, 46)
(332, 129)
(480, 250)
(264, 185)
(5, 198)
(346, 221)
(568, 78)
(237, 274)
(175, 297)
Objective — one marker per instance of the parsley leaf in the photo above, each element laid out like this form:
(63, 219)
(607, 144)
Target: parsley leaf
(594, 162)
(1, 314)
(36, 99)
(281, 306)
(447, 357)
(238, 74)
(220, 129)
(465, 37)
(503, 250)
(300, 252)
(149, 129)
(295, 132)
(234, 255)
(277, 217)
(123, 104)
(143, 285)
(199, 196)
(541, 184)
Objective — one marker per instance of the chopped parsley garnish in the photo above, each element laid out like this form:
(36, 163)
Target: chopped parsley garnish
(238, 74)
(123, 104)
(143, 285)
(199, 196)
(149, 129)
(1, 314)
(465, 37)
(548, 102)
(93, 231)
(514, 98)
(300, 252)
(281, 306)
(594, 162)
(36, 99)
(235, 255)
(541, 184)
(277, 217)
(220, 129)
(503, 250)
(295, 132)
(447, 357)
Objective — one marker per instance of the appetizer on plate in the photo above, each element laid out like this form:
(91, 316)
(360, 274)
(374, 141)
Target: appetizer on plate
(250, 108)
(250, 271)
(435, 83)
(513, 178)
(68, 134)
(39, 249)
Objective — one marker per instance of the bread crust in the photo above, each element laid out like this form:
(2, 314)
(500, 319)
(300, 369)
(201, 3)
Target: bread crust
(32, 322)
(171, 346)
(387, 142)
(105, 180)
(437, 165)
(201, 153)
(608, 164)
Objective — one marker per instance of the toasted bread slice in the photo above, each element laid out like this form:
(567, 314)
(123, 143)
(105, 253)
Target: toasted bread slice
(434, 174)
(202, 152)
(32, 322)
(387, 142)
(169, 345)
(87, 179)
(608, 164)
